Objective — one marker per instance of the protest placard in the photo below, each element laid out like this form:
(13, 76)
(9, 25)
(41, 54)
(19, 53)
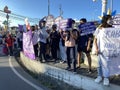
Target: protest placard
(87, 28)
(66, 24)
(20, 27)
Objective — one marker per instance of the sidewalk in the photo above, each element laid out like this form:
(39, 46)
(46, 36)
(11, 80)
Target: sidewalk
(81, 80)
(84, 71)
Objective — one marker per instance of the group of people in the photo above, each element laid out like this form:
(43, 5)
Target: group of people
(67, 45)
(71, 44)
(8, 42)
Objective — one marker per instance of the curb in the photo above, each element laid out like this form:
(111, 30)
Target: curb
(70, 78)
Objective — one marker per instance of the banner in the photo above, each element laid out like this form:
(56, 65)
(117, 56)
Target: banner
(87, 28)
(116, 21)
(109, 44)
(28, 45)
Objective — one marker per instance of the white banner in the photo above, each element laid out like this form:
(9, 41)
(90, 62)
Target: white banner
(50, 21)
(109, 44)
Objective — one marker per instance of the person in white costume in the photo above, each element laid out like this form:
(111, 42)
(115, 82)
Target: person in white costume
(103, 70)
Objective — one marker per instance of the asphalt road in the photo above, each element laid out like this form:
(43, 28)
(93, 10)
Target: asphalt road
(13, 77)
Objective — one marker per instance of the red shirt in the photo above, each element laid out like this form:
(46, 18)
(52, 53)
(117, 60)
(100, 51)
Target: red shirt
(9, 41)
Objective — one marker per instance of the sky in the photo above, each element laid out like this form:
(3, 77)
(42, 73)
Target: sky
(75, 9)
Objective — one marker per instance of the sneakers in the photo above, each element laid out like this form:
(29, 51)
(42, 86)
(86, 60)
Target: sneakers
(62, 62)
(106, 81)
(98, 79)
(89, 71)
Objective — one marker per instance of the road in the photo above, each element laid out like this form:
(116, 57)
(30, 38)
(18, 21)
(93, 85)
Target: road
(13, 77)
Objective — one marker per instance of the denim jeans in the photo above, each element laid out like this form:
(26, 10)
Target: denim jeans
(62, 52)
(42, 52)
(10, 49)
(103, 69)
(68, 50)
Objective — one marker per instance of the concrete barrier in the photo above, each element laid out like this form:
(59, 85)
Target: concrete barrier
(76, 80)
(94, 60)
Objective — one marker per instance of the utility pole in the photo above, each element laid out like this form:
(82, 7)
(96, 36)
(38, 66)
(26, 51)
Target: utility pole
(48, 7)
(60, 10)
(7, 16)
(104, 7)
(111, 5)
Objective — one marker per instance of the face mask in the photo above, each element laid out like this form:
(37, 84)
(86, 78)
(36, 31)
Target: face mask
(109, 22)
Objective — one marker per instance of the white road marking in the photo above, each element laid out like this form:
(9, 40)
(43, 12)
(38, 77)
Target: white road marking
(24, 79)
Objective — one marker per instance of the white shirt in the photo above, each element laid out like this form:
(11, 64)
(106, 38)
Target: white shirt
(43, 35)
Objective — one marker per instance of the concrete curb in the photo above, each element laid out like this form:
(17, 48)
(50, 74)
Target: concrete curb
(76, 80)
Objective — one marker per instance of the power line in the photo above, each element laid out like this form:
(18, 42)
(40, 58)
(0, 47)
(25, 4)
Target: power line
(18, 17)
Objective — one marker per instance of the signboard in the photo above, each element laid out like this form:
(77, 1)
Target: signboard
(28, 45)
(87, 28)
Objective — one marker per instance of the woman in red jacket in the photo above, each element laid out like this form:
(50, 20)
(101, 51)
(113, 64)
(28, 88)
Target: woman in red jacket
(9, 40)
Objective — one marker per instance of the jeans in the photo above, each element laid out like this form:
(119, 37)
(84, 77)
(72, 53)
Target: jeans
(42, 51)
(36, 50)
(62, 52)
(68, 50)
(10, 50)
(103, 69)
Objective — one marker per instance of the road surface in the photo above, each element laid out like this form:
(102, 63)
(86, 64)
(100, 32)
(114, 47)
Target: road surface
(13, 77)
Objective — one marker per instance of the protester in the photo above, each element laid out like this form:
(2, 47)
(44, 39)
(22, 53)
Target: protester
(70, 38)
(9, 40)
(103, 70)
(62, 47)
(20, 39)
(35, 39)
(15, 43)
(84, 42)
(54, 42)
(48, 48)
(43, 35)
